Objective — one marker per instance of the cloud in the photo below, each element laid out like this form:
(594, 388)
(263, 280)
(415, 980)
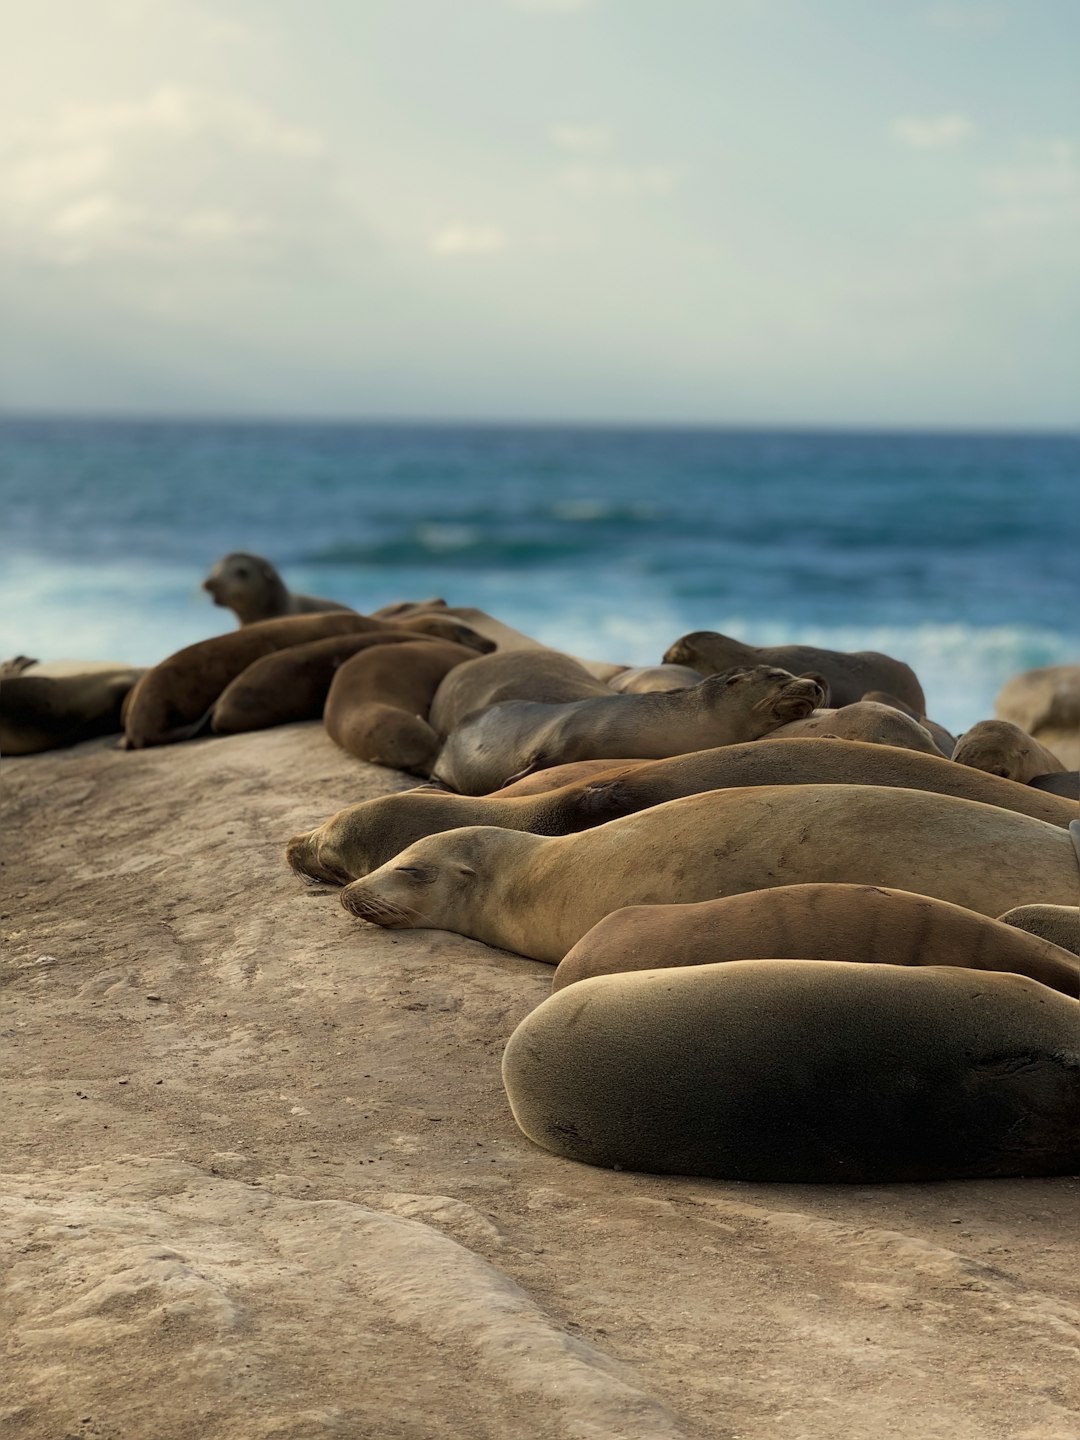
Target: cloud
(936, 132)
(180, 172)
(1039, 190)
(457, 239)
(581, 139)
(620, 180)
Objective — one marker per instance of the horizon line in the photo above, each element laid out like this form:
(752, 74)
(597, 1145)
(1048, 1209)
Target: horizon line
(457, 422)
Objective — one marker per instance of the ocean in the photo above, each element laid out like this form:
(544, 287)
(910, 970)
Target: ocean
(957, 553)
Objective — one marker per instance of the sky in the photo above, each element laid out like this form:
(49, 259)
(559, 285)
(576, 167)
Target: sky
(750, 212)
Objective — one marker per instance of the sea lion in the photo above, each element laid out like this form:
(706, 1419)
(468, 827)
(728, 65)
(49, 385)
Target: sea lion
(545, 676)
(363, 836)
(849, 923)
(646, 679)
(41, 712)
(378, 702)
(1057, 924)
(1060, 782)
(849, 673)
(780, 1070)
(508, 740)
(538, 896)
(505, 636)
(864, 720)
(292, 684)
(172, 701)
(1001, 748)
(253, 590)
(1044, 698)
(943, 739)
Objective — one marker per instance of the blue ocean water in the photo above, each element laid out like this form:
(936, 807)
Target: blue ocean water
(957, 553)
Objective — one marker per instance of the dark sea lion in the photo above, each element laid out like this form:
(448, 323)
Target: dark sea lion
(292, 684)
(1060, 782)
(849, 923)
(538, 896)
(1001, 748)
(1057, 924)
(378, 703)
(172, 701)
(850, 673)
(253, 590)
(546, 676)
(864, 720)
(780, 1070)
(40, 712)
(645, 679)
(511, 739)
(363, 836)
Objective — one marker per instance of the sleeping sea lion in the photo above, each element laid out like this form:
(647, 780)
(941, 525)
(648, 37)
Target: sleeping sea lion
(378, 702)
(538, 896)
(366, 835)
(780, 1070)
(1001, 748)
(849, 673)
(850, 923)
(546, 676)
(41, 712)
(864, 720)
(172, 701)
(511, 739)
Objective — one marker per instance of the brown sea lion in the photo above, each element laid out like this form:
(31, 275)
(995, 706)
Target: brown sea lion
(172, 701)
(292, 684)
(378, 703)
(366, 835)
(505, 636)
(1001, 748)
(508, 740)
(849, 923)
(780, 1070)
(849, 673)
(864, 720)
(538, 896)
(1046, 703)
(1057, 924)
(253, 590)
(41, 712)
(943, 739)
(545, 676)
(646, 679)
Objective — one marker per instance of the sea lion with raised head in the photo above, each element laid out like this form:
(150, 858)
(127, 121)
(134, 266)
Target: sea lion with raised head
(1001, 748)
(538, 896)
(378, 703)
(253, 590)
(850, 674)
(42, 712)
(511, 739)
(779, 1070)
(544, 676)
(367, 834)
(172, 701)
(850, 923)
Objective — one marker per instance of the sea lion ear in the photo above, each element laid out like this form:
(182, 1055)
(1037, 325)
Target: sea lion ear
(466, 872)
(814, 675)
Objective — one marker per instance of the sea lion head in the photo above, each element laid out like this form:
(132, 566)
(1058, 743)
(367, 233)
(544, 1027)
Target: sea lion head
(362, 837)
(443, 882)
(1000, 748)
(248, 585)
(775, 695)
